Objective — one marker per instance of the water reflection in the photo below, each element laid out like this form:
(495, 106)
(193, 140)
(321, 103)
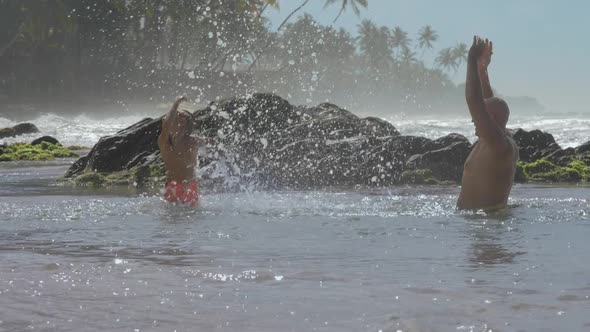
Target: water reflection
(494, 238)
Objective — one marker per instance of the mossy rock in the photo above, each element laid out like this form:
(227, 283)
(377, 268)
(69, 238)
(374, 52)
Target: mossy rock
(582, 167)
(123, 178)
(91, 179)
(562, 174)
(539, 166)
(7, 157)
(77, 148)
(41, 152)
(520, 176)
(63, 153)
(48, 146)
(545, 171)
(34, 156)
(141, 176)
(419, 176)
(157, 170)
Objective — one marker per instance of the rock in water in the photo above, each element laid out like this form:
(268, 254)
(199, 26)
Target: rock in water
(534, 144)
(267, 143)
(133, 146)
(263, 140)
(47, 139)
(7, 132)
(446, 163)
(19, 129)
(584, 148)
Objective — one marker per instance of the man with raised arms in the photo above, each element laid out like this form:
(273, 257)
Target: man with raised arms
(178, 149)
(489, 170)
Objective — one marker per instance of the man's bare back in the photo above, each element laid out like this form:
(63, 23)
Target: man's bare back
(488, 176)
(489, 170)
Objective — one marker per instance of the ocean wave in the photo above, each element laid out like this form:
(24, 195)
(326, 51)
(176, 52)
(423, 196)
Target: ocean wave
(568, 132)
(86, 131)
(78, 130)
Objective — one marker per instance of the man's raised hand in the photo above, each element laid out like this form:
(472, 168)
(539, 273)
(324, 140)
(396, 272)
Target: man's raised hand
(477, 49)
(486, 57)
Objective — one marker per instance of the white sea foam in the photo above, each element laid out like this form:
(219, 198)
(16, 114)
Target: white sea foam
(83, 130)
(77, 130)
(568, 131)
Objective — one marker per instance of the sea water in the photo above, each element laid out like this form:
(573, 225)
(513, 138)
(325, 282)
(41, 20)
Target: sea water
(389, 259)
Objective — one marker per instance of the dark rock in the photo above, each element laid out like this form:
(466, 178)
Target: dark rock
(130, 147)
(561, 157)
(7, 132)
(263, 140)
(419, 176)
(448, 140)
(25, 128)
(78, 167)
(297, 147)
(534, 144)
(584, 148)
(378, 127)
(446, 164)
(47, 139)
(266, 143)
(19, 129)
(520, 175)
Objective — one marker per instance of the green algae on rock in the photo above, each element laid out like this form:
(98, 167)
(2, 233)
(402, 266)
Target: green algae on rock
(419, 176)
(41, 152)
(77, 148)
(140, 176)
(545, 171)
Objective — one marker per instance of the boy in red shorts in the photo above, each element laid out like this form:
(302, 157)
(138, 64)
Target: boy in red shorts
(178, 149)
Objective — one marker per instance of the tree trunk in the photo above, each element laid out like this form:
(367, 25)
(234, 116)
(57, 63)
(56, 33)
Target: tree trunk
(339, 13)
(292, 13)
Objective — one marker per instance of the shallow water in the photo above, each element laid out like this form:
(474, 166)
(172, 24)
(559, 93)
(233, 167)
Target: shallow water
(397, 259)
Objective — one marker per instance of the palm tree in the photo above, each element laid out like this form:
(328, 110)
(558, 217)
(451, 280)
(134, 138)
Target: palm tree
(274, 3)
(460, 53)
(345, 3)
(446, 59)
(407, 56)
(399, 39)
(367, 30)
(258, 7)
(373, 44)
(426, 36)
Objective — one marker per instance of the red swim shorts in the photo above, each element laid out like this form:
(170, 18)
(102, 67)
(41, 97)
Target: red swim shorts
(187, 193)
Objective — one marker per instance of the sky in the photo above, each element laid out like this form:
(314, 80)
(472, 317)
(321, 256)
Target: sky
(541, 47)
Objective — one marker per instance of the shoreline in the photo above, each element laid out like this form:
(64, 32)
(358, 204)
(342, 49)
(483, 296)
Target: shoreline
(266, 143)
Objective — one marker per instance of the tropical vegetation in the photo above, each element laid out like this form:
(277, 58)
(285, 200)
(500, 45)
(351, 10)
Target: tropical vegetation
(207, 49)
